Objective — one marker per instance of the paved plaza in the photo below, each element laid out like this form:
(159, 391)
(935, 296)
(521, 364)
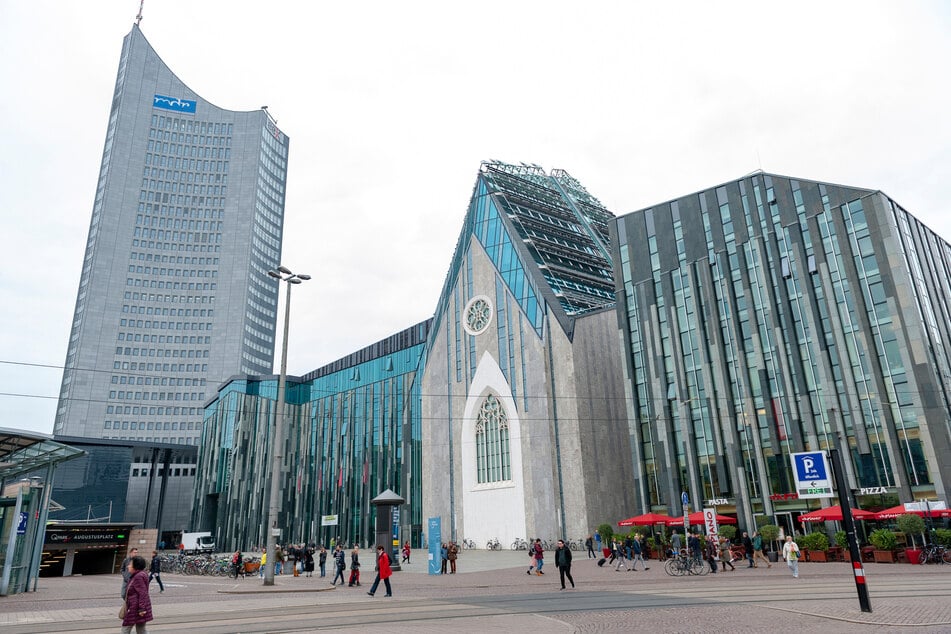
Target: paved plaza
(492, 593)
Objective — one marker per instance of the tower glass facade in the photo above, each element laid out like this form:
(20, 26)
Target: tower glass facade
(173, 295)
(772, 315)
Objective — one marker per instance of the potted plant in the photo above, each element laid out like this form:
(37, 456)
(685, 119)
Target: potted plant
(606, 531)
(909, 523)
(884, 542)
(770, 533)
(842, 541)
(727, 531)
(816, 546)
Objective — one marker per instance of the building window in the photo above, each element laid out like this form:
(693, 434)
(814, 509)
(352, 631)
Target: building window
(478, 315)
(493, 458)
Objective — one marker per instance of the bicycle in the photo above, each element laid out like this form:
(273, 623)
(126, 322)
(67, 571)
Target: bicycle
(684, 564)
(493, 544)
(468, 544)
(933, 553)
(519, 544)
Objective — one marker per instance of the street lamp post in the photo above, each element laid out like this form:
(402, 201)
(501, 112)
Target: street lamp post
(277, 454)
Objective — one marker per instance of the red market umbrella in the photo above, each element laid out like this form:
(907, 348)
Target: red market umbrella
(896, 511)
(831, 513)
(647, 519)
(697, 518)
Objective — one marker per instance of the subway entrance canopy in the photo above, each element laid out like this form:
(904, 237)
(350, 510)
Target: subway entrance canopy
(24, 502)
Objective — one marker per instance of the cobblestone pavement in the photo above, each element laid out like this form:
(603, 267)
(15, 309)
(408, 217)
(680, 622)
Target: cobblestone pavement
(492, 593)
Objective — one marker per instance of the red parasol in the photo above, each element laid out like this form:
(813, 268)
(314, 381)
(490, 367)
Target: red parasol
(646, 519)
(697, 518)
(831, 513)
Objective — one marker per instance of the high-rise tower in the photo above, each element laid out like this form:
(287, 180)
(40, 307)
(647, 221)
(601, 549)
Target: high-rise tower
(174, 297)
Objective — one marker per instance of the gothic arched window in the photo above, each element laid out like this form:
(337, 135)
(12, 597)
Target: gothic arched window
(493, 459)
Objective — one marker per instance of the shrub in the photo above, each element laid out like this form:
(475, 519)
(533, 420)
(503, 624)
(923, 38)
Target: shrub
(883, 539)
(727, 531)
(842, 540)
(911, 524)
(942, 536)
(606, 531)
(761, 521)
(814, 541)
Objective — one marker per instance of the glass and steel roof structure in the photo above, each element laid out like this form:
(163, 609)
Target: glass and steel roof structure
(23, 452)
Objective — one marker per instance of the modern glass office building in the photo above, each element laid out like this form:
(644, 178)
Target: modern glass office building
(523, 391)
(352, 431)
(772, 315)
(174, 295)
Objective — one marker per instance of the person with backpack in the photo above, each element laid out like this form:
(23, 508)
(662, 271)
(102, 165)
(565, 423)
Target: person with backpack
(539, 556)
(340, 564)
(237, 563)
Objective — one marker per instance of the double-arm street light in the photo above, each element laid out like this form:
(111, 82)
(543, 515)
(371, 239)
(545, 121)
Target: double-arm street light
(277, 448)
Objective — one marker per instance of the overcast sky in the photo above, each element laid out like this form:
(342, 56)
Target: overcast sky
(390, 108)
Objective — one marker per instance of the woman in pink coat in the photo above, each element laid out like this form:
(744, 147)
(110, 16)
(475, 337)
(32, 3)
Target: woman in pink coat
(138, 610)
(383, 572)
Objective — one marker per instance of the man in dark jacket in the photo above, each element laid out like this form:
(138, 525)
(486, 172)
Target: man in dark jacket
(340, 564)
(563, 563)
(748, 546)
(155, 571)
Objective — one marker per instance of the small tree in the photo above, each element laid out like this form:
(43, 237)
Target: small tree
(727, 531)
(770, 533)
(606, 531)
(909, 523)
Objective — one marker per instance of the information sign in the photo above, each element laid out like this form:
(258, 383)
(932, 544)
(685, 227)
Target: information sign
(813, 475)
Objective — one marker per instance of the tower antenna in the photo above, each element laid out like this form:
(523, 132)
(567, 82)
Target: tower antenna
(138, 18)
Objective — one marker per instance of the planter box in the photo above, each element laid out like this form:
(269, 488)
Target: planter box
(913, 555)
(884, 556)
(817, 555)
(773, 556)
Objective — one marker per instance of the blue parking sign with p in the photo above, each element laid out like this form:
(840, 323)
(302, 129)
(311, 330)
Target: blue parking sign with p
(811, 466)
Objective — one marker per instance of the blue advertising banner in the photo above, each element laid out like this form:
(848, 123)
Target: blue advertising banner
(434, 536)
(173, 103)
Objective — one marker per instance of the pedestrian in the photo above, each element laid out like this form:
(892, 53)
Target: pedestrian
(444, 556)
(383, 572)
(637, 553)
(322, 560)
(748, 548)
(589, 546)
(355, 567)
(138, 606)
(155, 571)
(263, 563)
(712, 552)
(597, 539)
(563, 563)
(406, 553)
(309, 562)
(126, 571)
(279, 559)
(675, 543)
(453, 555)
(726, 555)
(339, 563)
(532, 563)
(237, 563)
(758, 550)
(539, 556)
(791, 555)
(619, 555)
(693, 546)
(181, 550)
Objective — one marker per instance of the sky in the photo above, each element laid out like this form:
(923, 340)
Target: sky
(391, 107)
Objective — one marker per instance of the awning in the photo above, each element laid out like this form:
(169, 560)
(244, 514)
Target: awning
(834, 513)
(647, 519)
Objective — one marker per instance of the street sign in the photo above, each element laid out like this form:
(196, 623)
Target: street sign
(684, 499)
(710, 521)
(21, 523)
(813, 475)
